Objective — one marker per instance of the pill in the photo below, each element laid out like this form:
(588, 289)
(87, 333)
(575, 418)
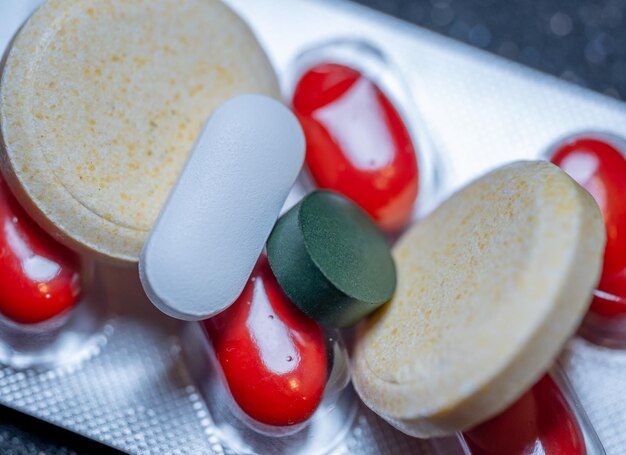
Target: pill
(540, 422)
(100, 105)
(357, 142)
(221, 210)
(331, 260)
(273, 358)
(39, 278)
(600, 167)
(490, 286)
(609, 300)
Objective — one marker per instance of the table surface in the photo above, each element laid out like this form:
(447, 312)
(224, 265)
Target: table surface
(579, 41)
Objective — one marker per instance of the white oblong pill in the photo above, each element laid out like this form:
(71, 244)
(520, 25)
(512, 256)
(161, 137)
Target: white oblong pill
(213, 227)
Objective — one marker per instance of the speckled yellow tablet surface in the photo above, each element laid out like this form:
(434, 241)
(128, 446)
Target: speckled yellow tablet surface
(490, 286)
(101, 101)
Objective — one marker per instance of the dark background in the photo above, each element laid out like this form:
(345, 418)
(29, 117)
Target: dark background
(583, 42)
(580, 41)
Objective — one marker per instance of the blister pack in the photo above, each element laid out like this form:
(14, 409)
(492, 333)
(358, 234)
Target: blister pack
(119, 371)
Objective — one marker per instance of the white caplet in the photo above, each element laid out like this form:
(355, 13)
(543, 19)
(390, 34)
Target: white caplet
(214, 225)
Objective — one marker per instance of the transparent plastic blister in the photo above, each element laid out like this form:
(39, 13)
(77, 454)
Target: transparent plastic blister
(532, 422)
(606, 331)
(66, 338)
(239, 432)
(603, 327)
(120, 372)
(375, 65)
(592, 442)
(597, 374)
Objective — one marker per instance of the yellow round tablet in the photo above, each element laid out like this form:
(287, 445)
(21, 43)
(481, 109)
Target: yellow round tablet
(490, 286)
(101, 101)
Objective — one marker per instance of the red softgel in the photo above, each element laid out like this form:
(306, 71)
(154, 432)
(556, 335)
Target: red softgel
(272, 356)
(541, 422)
(601, 169)
(39, 278)
(357, 143)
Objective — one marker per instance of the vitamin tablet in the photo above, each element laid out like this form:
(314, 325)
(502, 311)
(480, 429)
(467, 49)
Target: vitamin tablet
(101, 103)
(221, 211)
(490, 286)
(331, 260)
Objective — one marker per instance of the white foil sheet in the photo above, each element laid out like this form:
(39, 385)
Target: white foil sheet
(134, 390)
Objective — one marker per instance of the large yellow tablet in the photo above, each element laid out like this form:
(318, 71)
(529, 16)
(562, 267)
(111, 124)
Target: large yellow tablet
(101, 101)
(490, 286)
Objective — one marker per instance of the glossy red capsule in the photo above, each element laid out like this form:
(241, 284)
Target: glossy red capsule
(610, 302)
(541, 422)
(357, 142)
(272, 356)
(601, 169)
(39, 278)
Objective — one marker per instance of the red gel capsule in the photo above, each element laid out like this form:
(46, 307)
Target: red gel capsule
(39, 278)
(601, 169)
(541, 422)
(610, 302)
(272, 356)
(357, 143)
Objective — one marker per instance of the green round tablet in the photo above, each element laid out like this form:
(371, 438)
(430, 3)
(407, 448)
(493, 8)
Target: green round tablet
(331, 260)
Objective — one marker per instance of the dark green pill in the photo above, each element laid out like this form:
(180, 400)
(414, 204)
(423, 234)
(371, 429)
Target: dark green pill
(331, 260)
